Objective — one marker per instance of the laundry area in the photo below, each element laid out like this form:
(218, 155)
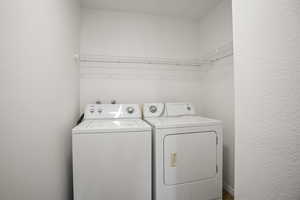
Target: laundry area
(149, 100)
(166, 60)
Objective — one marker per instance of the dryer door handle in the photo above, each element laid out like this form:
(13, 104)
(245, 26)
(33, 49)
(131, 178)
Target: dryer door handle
(173, 159)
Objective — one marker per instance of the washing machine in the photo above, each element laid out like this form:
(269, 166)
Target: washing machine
(112, 154)
(187, 153)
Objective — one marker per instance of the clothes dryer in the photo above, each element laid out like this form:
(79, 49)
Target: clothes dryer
(187, 153)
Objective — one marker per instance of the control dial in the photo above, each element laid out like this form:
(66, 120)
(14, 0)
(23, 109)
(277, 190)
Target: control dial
(153, 109)
(130, 110)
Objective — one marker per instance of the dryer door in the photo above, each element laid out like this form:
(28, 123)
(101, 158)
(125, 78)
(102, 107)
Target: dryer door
(189, 157)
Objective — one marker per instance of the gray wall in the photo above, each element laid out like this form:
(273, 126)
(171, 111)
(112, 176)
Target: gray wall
(39, 97)
(267, 99)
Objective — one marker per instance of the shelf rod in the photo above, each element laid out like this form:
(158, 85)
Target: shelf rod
(140, 60)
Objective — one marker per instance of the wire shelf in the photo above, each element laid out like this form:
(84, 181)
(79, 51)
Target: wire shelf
(212, 56)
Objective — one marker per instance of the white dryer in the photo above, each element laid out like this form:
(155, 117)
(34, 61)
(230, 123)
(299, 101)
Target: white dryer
(187, 153)
(112, 154)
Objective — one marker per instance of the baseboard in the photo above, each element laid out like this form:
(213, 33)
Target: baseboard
(228, 188)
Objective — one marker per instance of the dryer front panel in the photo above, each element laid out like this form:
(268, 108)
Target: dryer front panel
(190, 157)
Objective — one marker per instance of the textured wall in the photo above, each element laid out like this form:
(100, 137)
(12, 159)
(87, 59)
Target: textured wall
(39, 98)
(267, 97)
(217, 94)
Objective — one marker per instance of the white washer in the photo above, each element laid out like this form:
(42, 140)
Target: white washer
(112, 154)
(187, 153)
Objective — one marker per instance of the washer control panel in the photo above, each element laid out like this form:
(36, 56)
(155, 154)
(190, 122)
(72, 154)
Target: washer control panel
(130, 110)
(112, 111)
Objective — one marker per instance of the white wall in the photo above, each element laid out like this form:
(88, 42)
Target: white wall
(267, 99)
(216, 28)
(128, 34)
(218, 103)
(39, 98)
(133, 34)
(217, 94)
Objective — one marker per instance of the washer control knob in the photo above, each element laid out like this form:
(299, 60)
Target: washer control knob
(130, 110)
(153, 109)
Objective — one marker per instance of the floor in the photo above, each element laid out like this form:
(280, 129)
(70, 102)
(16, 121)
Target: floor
(227, 196)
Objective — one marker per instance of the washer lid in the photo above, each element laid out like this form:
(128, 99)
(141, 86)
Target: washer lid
(182, 121)
(109, 126)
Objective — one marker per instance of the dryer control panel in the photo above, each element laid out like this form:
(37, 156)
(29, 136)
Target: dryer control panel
(153, 110)
(179, 109)
(168, 109)
(112, 111)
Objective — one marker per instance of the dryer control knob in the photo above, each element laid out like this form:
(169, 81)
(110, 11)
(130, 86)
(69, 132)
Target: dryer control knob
(130, 110)
(153, 109)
